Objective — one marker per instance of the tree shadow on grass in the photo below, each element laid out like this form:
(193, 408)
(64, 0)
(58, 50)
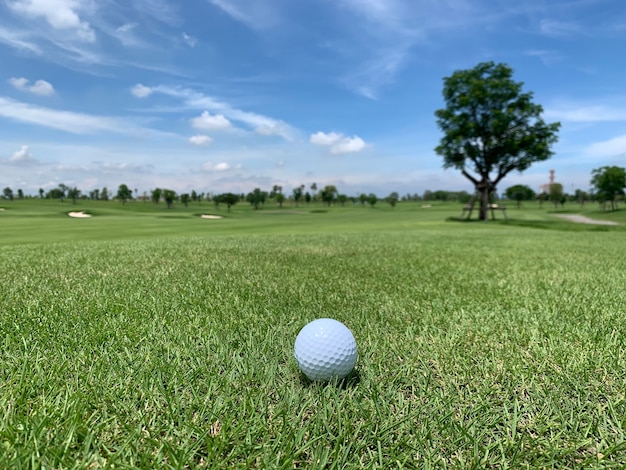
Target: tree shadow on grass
(476, 220)
(562, 225)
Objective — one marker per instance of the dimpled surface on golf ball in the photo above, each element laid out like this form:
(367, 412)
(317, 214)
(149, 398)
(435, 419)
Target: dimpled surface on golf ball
(325, 349)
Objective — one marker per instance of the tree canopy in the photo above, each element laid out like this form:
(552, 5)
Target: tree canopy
(124, 193)
(155, 195)
(556, 194)
(491, 127)
(230, 199)
(169, 195)
(609, 181)
(256, 197)
(328, 194)
(519, 193)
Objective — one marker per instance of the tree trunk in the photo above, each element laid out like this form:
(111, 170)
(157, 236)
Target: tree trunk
(483, 213)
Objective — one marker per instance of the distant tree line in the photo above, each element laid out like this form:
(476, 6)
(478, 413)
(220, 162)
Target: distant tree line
(608, 182)
(328, 195)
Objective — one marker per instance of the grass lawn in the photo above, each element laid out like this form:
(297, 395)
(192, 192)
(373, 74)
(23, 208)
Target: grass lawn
(148, 338)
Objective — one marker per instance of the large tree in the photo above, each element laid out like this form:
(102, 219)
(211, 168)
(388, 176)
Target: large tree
(609, 181)
(491, 127)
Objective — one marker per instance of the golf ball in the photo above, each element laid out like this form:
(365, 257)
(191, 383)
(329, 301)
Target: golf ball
(325, 349)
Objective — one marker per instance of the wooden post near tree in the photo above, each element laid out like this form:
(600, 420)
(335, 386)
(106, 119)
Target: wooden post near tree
(469, 207)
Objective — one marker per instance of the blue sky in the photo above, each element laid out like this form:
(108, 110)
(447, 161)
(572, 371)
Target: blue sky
(229, 95)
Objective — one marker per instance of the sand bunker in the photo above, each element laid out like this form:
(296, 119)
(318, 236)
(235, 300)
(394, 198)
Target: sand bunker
(209, 216)
(1, 209)
(581, 219)
(79, 215)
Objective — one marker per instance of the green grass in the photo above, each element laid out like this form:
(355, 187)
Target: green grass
(131, 340)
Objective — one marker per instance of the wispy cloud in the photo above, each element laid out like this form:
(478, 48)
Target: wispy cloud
(190, 40)
(606, 149)
(550, 27)
(585, 113)
(261, 124)
(18, 40)
(386, 34)
(548, 57)
(75, 123)
(164, 11)
(75, 33)
(126, 34)
(255, 14)
(60, 14)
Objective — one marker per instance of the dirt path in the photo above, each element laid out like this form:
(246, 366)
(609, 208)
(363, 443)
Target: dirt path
(581, 219)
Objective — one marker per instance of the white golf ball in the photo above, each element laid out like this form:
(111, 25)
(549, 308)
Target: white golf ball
(325, 349)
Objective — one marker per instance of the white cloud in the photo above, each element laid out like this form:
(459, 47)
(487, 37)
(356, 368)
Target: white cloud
(22, 154)
(40, 87)
(60, 14)
(21, 157)
(190, 40)
(141, 91)
(19, 83)
(321, 138)
(272, 128)
(200, 140)
(348, 145)
(208, 121)
(338, 143)
(209, 166)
